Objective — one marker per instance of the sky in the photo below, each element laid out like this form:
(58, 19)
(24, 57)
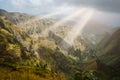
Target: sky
(107, 9)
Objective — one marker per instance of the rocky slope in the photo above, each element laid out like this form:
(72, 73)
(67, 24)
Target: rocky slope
(19, 52)
(108, 52)
(26, 21)
(15, 17)
(94, 31)
(45, 58)
(35, 25)
(12, 37)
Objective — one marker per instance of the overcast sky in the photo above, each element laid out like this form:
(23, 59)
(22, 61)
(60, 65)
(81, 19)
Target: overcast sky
(106, 8)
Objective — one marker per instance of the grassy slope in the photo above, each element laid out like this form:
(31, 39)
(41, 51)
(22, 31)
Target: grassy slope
(17, 62)
(109, 58)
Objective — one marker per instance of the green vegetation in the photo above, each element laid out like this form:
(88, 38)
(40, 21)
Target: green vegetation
(24, 58)
(18, 58)
(19, 72)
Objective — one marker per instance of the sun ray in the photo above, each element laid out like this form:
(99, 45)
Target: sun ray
(42, 17)
(69, 17)
(71, 36)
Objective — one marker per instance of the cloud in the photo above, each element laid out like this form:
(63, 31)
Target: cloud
(31, 3)
(52, 5)
(103, 5)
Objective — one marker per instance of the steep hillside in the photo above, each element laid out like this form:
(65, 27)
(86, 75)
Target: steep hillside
(19, 55)
(94, 31)
(15, 17)
(22, 57)
(12, 37)
(31, 24)
(95, 27)
(35, 25)
(108, 52)
(23, 50)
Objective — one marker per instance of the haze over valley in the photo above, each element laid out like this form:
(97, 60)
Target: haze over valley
(59, 40)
